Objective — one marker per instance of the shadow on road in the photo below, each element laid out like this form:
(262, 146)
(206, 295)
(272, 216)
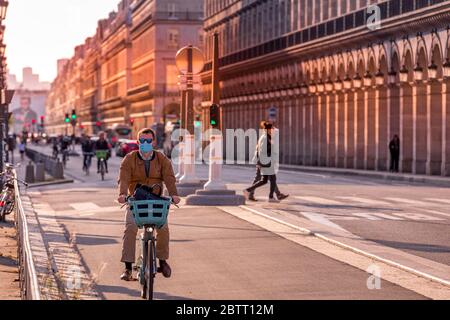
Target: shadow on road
(413, 246)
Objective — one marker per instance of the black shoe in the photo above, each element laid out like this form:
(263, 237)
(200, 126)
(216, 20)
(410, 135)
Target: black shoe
(282, 196)
(165, 269)
(251, 197)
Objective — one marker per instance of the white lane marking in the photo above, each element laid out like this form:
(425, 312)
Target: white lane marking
(320, 200)
(409, 201)
(320, 218)
(84, 206)
(444, 201)
(365, 201)
(375, 216)
(438, 213)
(417, 216)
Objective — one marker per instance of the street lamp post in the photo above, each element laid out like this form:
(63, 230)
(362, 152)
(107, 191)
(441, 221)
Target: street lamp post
(189, 62)
(215, 191)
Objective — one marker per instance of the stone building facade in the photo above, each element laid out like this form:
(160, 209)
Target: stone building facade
(342, 81)
(126, 72)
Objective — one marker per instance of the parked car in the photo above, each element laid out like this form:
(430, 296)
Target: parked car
(126, 147)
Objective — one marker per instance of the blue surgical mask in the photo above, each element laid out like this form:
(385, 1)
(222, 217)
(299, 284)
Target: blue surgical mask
(146, 147)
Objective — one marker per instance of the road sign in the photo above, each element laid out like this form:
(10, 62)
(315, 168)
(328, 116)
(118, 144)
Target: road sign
(182, 60)
(273, 113)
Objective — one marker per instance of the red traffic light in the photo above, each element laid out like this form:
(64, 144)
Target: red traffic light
(98, 124)
(33, 121)
(42, 118)
(131, 121)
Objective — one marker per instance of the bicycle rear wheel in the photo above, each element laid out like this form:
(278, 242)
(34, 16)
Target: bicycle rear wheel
(150, 270)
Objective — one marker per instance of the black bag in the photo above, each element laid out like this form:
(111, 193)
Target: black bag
(143, 192)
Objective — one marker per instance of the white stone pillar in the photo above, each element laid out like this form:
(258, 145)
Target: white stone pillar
(215, 167)
(189, 175)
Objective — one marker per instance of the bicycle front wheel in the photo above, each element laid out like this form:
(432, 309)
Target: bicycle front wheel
(151, 269)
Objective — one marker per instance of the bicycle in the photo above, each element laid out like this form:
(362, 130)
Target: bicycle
(87, 161)
(7, 196)
(102, 156)
(149, 215)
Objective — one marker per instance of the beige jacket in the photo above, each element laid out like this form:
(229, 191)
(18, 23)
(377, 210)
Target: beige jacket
(132, 172)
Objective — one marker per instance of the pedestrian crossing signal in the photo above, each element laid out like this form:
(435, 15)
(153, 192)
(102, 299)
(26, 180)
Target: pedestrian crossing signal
(214, 116)
(67, 118)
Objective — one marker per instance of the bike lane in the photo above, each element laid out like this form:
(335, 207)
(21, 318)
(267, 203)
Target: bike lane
(214, 255)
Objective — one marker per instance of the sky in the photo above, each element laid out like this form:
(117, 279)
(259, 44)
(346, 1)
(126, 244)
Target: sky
(39, 32)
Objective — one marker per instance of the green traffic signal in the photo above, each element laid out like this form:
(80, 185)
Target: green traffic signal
(67, 120)
(74, 116)
(213, 122)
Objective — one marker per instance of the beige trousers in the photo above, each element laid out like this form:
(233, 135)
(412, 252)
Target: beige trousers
(129, 240)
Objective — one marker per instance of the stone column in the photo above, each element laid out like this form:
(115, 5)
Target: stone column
(341, 119)
(351, 127)
(323, 130)
(301, 130)
(382, 128)
(406, 128)
(306, 132)
(315, 130)
(331, 131)
(445, 128)
(435, 128)
(422, 91)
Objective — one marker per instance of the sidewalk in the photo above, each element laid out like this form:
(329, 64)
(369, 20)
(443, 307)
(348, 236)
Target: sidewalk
(9, 273)
(407, 177)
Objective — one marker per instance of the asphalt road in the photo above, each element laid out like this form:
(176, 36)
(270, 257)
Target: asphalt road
(216, 256)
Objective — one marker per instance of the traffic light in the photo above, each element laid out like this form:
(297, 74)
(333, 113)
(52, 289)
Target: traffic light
(74, 114)
(67, 118)
(214, 116)
(33, 121)
(42, 119)
(131, 121)
(98, 124)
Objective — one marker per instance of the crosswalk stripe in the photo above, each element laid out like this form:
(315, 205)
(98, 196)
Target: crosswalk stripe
(365, 201)
(320, 200)
(409, 201)
(84, 206)
(445, 201)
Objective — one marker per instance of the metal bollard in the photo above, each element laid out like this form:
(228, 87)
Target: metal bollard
(58, 171)
(29, 175)
(40, 172)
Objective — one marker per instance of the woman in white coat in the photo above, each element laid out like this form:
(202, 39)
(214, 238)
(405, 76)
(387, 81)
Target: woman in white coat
(266, 157)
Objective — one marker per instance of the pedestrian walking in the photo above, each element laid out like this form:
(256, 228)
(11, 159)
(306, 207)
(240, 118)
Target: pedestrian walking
(394, 148)
(267, 166)
(259, 176)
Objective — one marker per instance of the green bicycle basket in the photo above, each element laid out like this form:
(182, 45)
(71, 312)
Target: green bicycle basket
(150, 212)
(101, 154)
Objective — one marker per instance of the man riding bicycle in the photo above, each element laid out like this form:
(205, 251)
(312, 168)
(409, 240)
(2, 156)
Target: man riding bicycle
(87, 147)
(102, 145)
(145, 167)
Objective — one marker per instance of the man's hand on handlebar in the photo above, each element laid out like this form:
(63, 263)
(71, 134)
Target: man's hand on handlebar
(176, 199)
(122, 199)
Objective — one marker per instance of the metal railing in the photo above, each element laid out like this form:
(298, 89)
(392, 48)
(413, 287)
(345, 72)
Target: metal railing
(29, 285)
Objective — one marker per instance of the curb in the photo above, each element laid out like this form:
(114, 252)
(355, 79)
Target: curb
(353, 249)
(50, 183)
(430, 180)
